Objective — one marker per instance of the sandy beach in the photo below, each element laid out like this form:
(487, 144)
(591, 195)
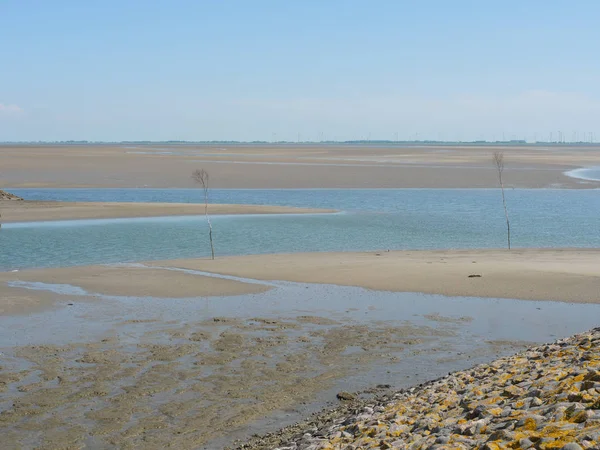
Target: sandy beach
(36, 211)
(569, 275)
(292, 166)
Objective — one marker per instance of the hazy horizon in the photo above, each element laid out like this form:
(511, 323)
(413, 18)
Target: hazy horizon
(308, 71)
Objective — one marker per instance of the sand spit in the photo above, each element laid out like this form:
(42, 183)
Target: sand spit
(569, 275)
(36, 211)
(547, 397)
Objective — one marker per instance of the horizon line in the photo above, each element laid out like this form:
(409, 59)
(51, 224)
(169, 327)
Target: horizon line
(518, 142)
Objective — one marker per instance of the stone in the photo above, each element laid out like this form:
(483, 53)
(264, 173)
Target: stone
(345, 396)
(572, 446)
(525, 443)
(8, 196)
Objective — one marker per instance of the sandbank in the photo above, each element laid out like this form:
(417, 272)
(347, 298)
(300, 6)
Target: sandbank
(35, 211)
(277, 166)
(113, 280)
(568, 275)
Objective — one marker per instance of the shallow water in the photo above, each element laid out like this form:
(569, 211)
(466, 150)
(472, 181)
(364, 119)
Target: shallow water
(371, 219)
(585, 173)
(492, 319)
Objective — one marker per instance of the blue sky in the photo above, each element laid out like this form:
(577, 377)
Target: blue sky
(253, 69)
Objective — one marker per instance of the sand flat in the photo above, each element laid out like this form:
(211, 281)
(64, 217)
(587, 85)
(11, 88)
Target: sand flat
(35, 211)
(292, 166)
(113, 280)
(566, 275)
(569, 275)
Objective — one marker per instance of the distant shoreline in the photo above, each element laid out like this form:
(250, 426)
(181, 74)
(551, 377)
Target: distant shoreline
(512, 143)
(294, 166)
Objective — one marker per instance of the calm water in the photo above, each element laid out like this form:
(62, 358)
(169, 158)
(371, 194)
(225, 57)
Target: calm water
(585, 173)
(371, 219)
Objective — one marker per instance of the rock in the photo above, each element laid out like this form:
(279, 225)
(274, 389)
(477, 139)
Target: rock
(501, 435)
(572, 446)
(8, 196)
(525, 443)
(345, 396)
(537, 401)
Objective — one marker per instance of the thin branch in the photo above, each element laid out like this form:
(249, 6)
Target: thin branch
(201, 177)
(499, 163)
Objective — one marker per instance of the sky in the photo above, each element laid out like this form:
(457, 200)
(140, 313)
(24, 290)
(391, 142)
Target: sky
(115, 70)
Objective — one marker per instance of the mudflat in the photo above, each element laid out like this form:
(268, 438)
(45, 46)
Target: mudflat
(35, 211)
(569, 275)
(292, 166)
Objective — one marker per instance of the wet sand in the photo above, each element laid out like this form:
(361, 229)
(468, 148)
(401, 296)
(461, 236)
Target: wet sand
(564, 275)
(111, 280)
(292, 166)
(36, 211)
(181, 385)
(569, 275)
(132, 372)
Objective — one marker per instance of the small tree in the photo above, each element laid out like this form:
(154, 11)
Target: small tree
(200, 176)
(499, 163)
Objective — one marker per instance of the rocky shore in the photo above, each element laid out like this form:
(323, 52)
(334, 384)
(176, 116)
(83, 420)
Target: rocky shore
(547, 397)
(8, 196)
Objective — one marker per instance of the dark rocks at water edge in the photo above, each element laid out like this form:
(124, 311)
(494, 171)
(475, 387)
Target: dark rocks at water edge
(8, 196)
(547, 397)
